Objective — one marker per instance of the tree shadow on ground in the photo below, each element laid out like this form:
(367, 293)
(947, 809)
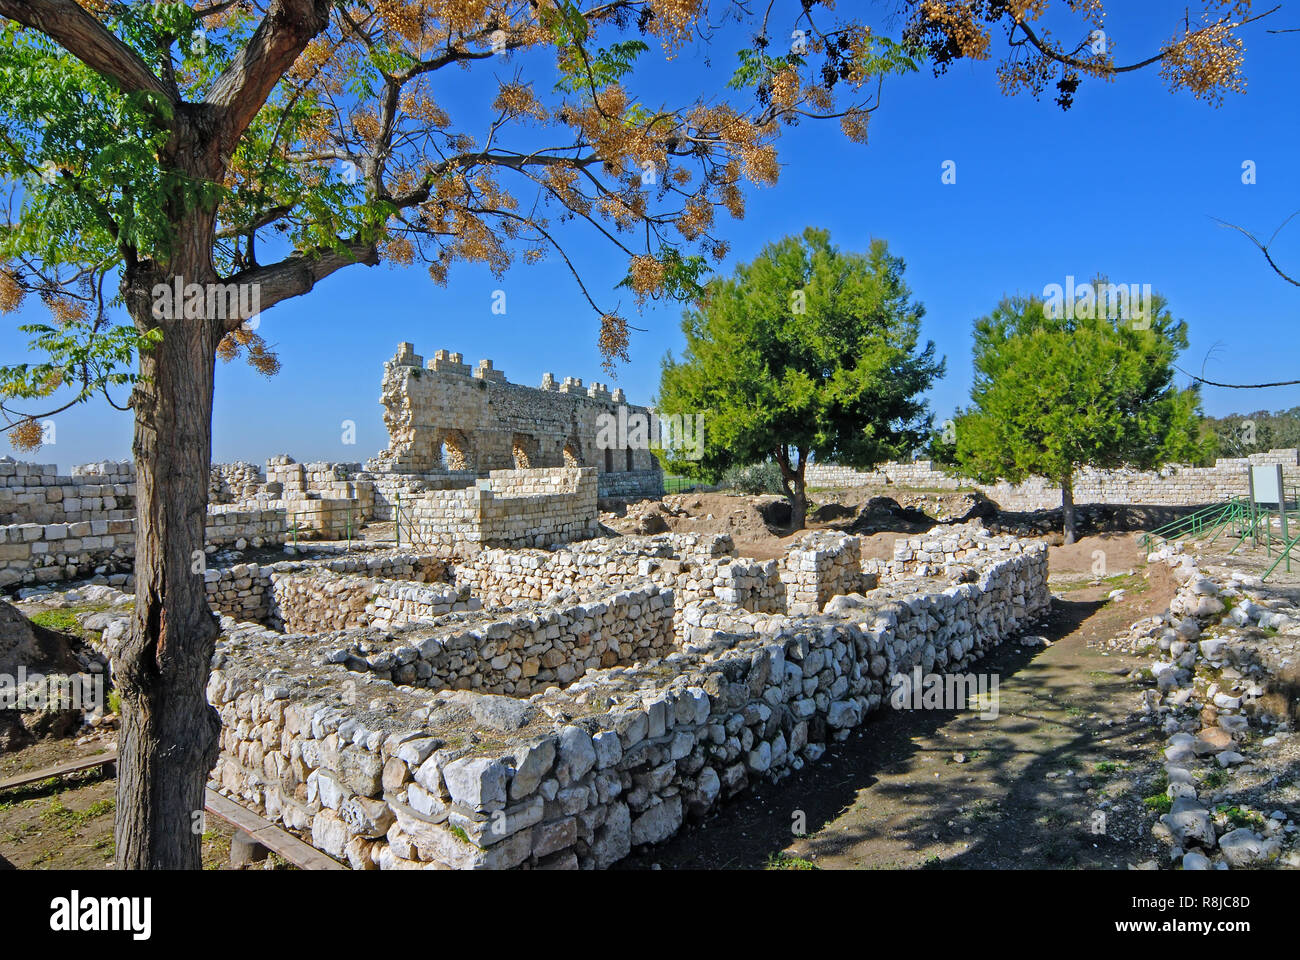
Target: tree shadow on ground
(748, 831)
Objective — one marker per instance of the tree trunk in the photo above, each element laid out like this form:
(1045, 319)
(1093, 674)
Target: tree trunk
(168, 741)
(796, 491)
(799, 503)
(1067, 507)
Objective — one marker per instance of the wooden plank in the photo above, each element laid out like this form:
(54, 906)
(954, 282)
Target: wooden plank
(283, 842)
(60, 770)
(274, 838)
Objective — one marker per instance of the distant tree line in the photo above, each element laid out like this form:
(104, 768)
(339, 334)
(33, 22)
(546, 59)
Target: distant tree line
(1241, 434)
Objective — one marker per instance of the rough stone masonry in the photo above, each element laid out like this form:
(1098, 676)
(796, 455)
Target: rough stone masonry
(389, 739)
(447, 417)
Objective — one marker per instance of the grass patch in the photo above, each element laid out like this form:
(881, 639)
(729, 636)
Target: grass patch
(1239, 817)
(64, 621)
(1215, 777)
(1159, 802)
(784, 861)
(58, 816)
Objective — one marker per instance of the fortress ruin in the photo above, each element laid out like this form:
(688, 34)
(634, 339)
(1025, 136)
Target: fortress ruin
(500, 685)
(448, 418)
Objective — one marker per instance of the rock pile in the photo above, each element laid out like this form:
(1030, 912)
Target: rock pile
(1218, 654)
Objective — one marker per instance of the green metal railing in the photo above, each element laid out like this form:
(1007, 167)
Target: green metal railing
(683, 485)
(1251, 530)
(1220, 515)
(1284, 555)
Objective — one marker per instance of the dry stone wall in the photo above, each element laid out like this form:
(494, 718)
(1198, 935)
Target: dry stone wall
(525, 508)
(514, 653)
(952, 552)
(392, 776)
(820, 566)
(1172, 486)
(244, 591)
(694, 567)
(320, 600)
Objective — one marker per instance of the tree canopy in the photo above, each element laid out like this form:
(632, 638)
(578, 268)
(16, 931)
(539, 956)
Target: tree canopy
(332, 142)
(806, 352)
(1058, 390)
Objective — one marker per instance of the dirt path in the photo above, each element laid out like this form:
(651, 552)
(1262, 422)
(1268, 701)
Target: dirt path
(945, 789)
(66, 823)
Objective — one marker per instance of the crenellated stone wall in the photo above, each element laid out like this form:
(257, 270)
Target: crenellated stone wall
(447, 417)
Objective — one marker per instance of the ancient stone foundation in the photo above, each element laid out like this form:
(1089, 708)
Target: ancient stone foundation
(527, 508)
(602, 695)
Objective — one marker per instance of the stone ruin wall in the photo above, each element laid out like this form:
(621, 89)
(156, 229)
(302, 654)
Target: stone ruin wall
(526, 471)
(33, 553)
(694, 567)
(447, 417)
(36, 493)
(1172, 486)
(246, 591)
(419, 640)
(525, 508)
(401, 775)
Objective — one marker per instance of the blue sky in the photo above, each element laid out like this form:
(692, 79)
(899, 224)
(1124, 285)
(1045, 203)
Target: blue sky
(1125, 183)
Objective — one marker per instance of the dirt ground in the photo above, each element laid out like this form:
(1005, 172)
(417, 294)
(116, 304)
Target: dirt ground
(759, 525)
(66, 823)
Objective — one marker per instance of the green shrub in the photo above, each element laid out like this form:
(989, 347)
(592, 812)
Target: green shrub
(754, 479)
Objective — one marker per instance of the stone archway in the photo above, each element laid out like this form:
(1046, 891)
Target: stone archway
(572, 454)
(524, 449)
(455, 452)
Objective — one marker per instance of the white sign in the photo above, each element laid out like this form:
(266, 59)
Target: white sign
(1266, 483)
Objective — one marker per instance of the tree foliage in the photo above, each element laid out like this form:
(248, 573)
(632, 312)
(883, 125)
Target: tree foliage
(337, 146)
(806, 352)
(1055, 391)
(1241, 434)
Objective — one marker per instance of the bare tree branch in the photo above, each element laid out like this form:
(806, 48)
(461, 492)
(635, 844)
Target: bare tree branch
(295, 275)
(1263, 247)
(1237, 386)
